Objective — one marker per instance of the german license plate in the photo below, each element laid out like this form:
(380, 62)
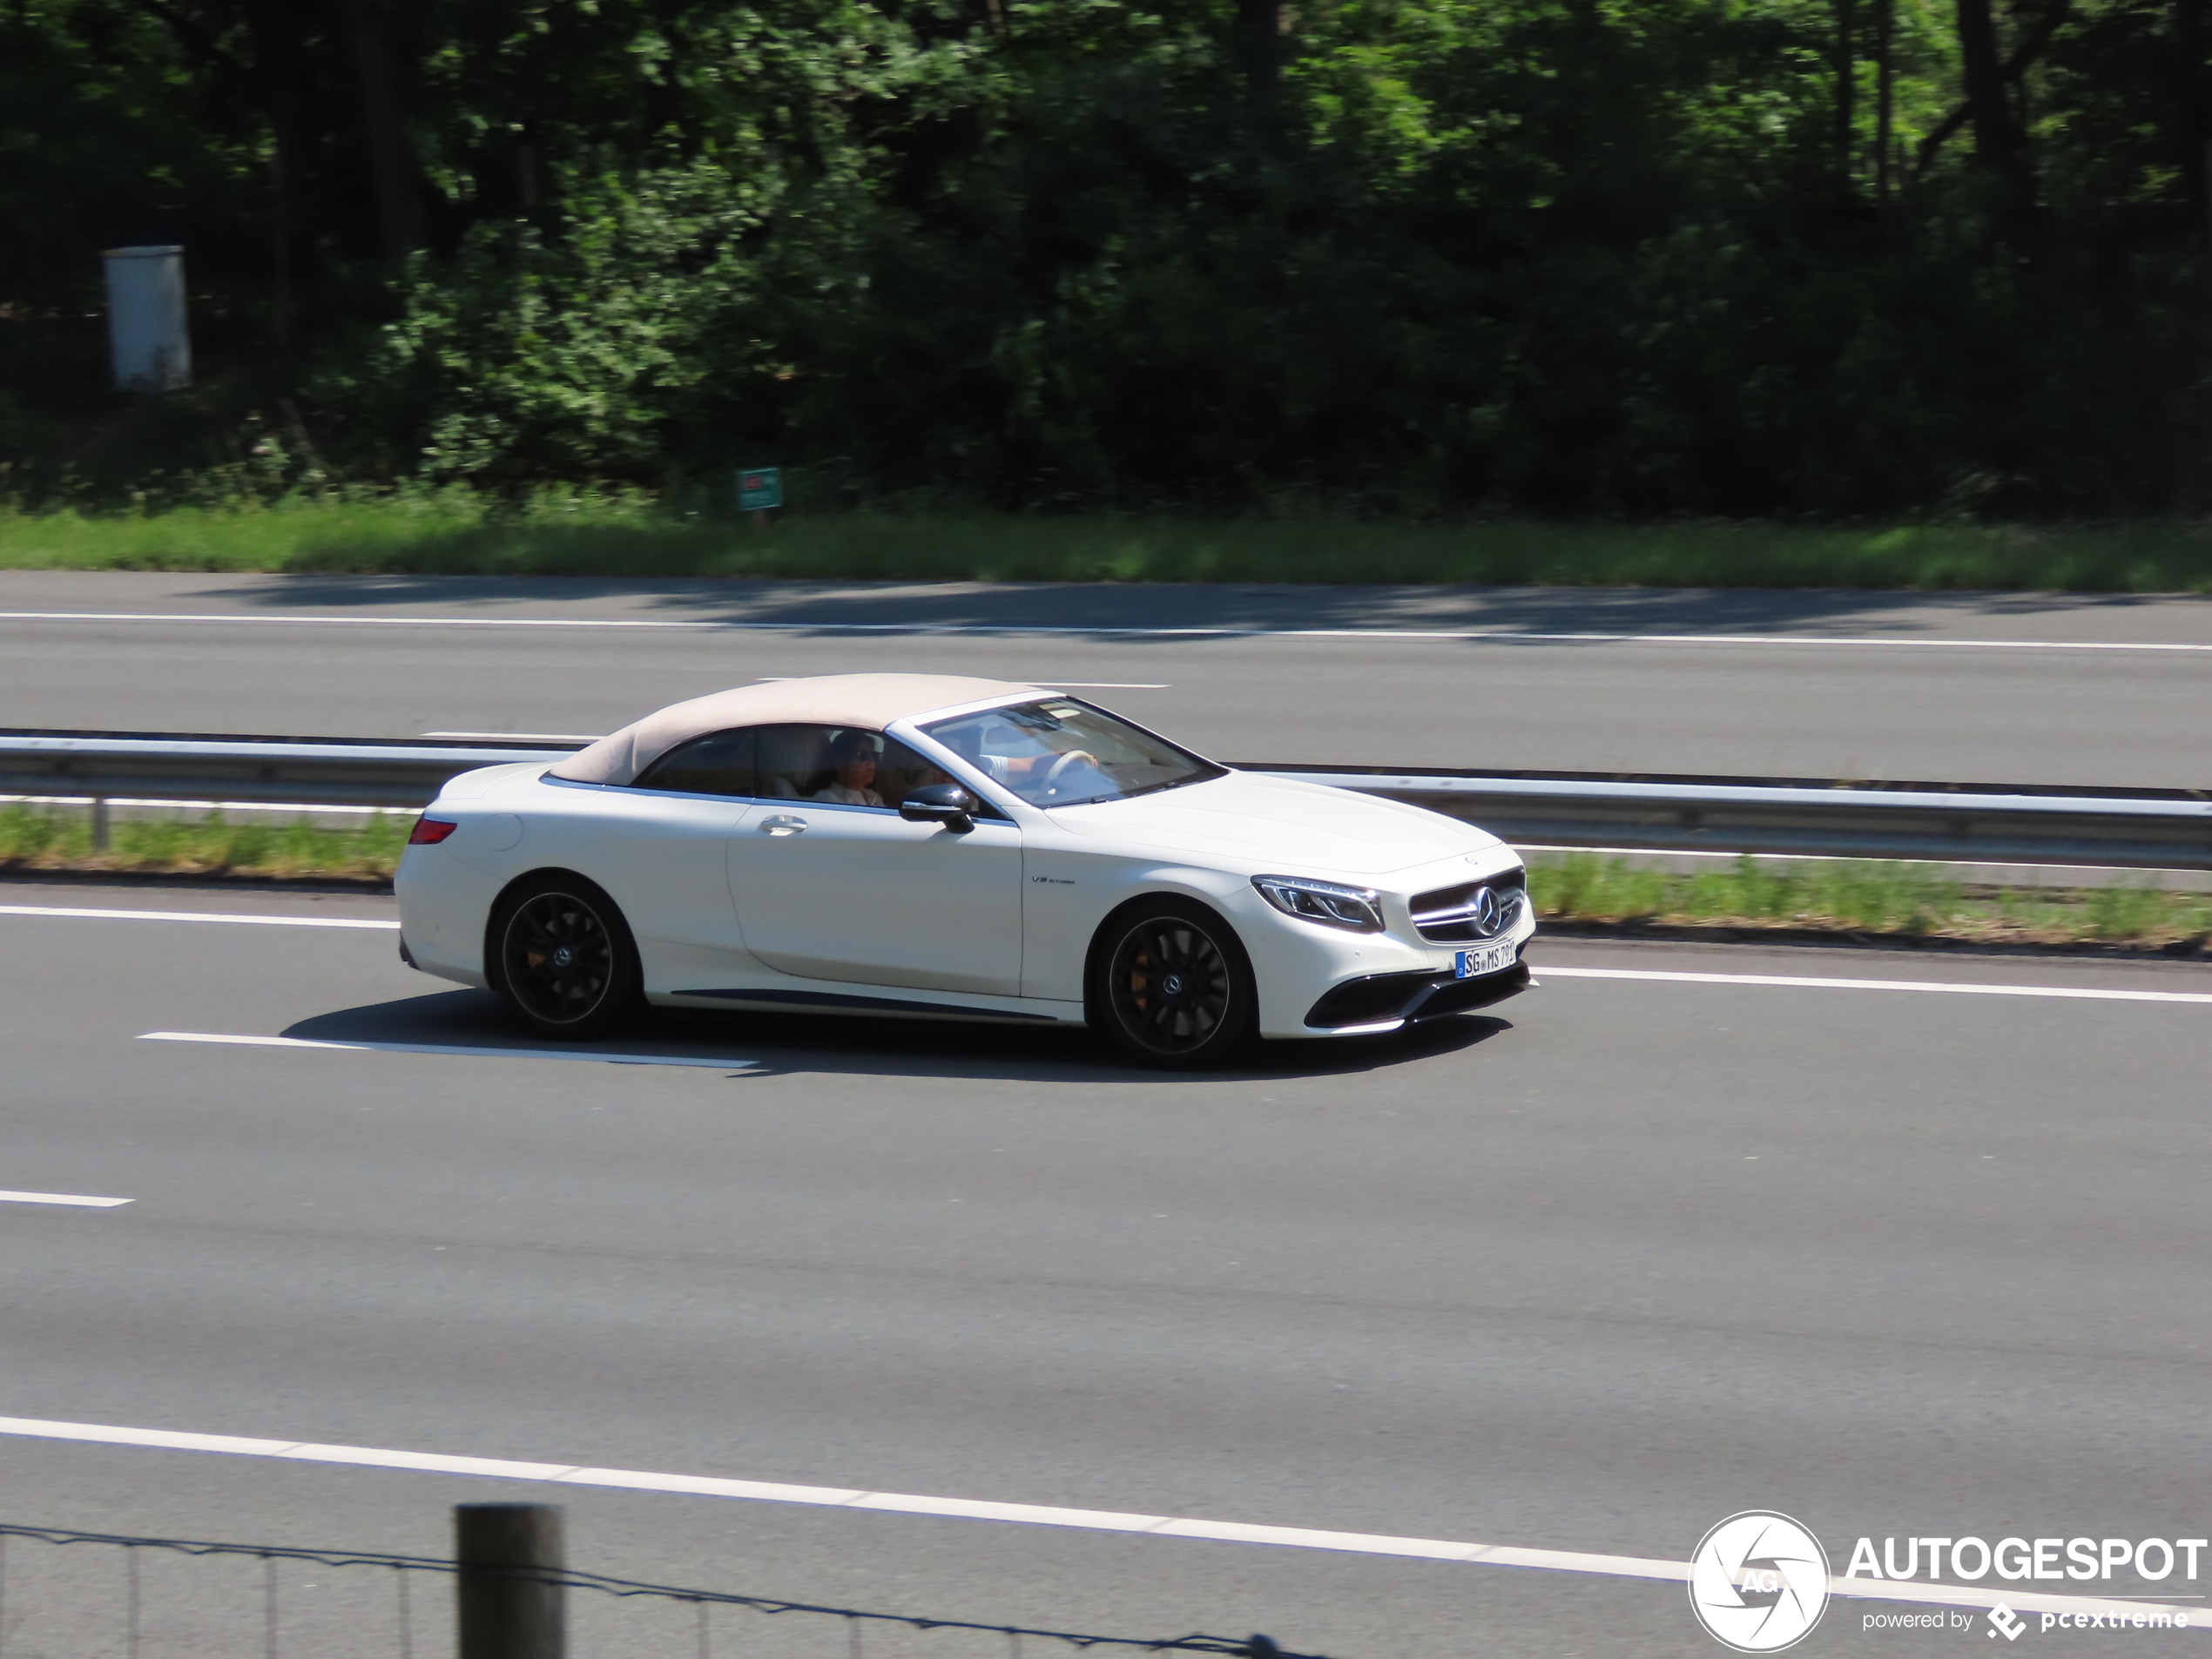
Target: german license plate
(1491, 959)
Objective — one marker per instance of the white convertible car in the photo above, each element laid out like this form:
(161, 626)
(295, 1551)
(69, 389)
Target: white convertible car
(917, 845)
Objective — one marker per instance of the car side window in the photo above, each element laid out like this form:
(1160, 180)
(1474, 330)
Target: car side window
(721, 763)
(900, 772)
(832, 764)
(838, 766)
(794, 761)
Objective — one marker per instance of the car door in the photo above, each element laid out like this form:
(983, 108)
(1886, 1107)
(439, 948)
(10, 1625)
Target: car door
(661, 847)
(829, 886)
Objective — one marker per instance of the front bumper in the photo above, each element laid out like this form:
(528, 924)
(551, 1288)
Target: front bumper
(1385, 1002)
(1316, 981)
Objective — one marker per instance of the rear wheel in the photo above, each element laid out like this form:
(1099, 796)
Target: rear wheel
(1172, 986)
(561, 956)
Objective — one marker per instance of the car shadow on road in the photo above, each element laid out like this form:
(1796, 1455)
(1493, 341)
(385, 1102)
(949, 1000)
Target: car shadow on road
(802, 1045)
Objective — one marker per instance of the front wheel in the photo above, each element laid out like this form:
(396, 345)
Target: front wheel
(1172, 986)
(561, 958)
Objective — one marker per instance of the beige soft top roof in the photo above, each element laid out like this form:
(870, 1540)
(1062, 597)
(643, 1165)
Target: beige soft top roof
(870, 700)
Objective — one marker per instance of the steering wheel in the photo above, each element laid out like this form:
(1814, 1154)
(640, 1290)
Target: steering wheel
(1052, 774)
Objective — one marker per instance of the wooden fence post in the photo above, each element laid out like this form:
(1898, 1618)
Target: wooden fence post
(511, 1602)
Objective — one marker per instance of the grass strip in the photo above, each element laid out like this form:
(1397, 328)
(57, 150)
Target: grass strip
(39, 836)
(1864, 898)
(1875, 898)
(592, 533)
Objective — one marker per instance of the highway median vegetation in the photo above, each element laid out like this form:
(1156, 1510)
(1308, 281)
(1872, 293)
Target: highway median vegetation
(1864, 899)
(632, 533)
(41, 836)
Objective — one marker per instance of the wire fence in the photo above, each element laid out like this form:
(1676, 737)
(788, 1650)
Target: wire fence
(273, 1608)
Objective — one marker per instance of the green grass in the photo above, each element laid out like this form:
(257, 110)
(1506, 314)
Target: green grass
(34, 837)
(1865, 898)
(614, 534)
(1879, 898)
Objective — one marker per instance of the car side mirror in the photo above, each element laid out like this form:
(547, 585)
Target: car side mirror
(946, 803)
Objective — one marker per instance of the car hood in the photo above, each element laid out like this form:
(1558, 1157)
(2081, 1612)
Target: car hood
(1248, 819)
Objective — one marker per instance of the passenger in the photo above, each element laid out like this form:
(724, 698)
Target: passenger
(854, 755)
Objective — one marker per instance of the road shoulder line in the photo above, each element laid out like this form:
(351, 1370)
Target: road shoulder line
(1035, 1514)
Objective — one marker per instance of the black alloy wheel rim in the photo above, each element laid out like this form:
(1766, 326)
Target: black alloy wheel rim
(559, 958)
(1169, 984)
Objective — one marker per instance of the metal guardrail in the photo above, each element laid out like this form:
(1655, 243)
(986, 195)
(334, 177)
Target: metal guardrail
(158, 765)
(2165, 830)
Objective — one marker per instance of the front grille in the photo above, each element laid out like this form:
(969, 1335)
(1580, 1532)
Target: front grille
(1448, 915)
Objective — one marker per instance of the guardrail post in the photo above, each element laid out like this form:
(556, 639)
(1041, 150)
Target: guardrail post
(102, 830)
(508, 1593)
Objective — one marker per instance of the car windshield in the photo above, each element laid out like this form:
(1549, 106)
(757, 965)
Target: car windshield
(1060, 753)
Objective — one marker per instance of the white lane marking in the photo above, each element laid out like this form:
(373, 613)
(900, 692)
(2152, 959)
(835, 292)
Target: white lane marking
(907, 1503)
(242, 1041)
(1807, 982)
(194, 915)
(958, 630)
(61, 1198)
(1551, 971)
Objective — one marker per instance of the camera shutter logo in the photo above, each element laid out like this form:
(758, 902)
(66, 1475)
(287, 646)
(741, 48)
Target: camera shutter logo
(1758, 1581)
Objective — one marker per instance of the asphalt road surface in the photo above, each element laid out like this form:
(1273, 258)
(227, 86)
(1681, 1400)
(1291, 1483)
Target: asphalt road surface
(2006, 688)
(1589, 1276)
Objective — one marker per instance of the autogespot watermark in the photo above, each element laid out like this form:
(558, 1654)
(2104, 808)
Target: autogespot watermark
(2003, 1622)
(1759, 1582)
(2048, 1559)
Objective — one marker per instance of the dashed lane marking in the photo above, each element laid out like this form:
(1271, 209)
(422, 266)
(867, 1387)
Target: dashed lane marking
(245, 1041)
(79, 1198)
(193, 915)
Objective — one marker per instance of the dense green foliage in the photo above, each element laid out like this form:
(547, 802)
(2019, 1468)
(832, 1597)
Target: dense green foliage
(1426, 257)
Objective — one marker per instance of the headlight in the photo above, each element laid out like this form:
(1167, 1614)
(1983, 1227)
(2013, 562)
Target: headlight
(1356, 909)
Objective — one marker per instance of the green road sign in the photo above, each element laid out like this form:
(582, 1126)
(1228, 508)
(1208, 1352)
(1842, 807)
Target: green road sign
(760, 488)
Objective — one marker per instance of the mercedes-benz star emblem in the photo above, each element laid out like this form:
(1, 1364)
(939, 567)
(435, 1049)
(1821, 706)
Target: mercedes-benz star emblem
(1486, 911)
(1172, 985)
(1758, 1581)
(564, 956)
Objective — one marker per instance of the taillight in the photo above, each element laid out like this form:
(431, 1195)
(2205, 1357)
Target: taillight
(429, 831)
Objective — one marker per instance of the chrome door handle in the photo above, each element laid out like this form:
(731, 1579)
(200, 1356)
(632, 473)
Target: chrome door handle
(784, 824)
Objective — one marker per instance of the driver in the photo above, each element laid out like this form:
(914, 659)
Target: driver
(853, 757)
(1033, 777)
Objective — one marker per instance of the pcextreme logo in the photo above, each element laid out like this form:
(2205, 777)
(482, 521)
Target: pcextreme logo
(1758, 1581)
